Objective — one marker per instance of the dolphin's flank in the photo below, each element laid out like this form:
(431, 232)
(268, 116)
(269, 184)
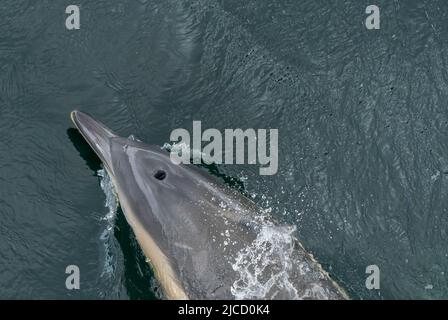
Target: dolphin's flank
(191, 227)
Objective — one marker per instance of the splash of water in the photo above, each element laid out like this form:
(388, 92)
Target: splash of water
(111, 204)
(264, 266)
(183, 148)
(134, 138)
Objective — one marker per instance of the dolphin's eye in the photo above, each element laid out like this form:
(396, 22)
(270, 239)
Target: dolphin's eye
(160, 175)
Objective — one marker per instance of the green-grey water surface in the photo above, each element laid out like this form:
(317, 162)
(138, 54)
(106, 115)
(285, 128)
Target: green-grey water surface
(362, 118)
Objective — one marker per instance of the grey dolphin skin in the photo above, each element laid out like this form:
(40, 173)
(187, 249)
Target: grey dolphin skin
(192, 228)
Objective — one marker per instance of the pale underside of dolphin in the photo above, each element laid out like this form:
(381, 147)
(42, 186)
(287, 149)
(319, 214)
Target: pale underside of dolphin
(190, 226)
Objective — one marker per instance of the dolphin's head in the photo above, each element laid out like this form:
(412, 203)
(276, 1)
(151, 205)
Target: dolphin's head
(110, 148)
(141, 171)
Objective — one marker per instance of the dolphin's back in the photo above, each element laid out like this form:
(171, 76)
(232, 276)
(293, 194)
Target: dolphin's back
(199, 225)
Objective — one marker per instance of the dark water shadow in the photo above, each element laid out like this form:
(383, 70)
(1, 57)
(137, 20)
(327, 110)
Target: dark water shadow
(233, 182)
(84, 149)
(139, 278)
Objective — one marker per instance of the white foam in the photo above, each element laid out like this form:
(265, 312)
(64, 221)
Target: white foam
(183, 148)
(134, 138)
(263, 267)
(111, 204)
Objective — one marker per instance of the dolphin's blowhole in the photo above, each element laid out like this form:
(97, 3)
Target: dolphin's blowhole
(160, 175)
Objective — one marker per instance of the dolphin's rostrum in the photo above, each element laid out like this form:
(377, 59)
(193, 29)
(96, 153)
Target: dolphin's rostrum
(191, 227)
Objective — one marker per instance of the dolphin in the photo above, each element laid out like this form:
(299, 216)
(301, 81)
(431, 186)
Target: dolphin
(203, 239)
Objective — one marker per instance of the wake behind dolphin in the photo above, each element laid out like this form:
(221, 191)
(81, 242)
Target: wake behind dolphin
(202, 239)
